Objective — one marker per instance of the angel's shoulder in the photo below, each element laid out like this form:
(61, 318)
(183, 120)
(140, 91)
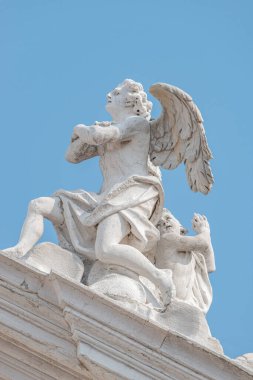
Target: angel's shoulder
(136, 123)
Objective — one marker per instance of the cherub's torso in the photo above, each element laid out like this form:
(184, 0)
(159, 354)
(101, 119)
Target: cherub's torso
(169, 257)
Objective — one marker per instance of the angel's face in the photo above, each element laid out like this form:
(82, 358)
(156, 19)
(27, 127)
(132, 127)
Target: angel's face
(117, 101)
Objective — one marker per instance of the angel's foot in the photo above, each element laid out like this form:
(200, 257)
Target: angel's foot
(166, 286)
(15, 252)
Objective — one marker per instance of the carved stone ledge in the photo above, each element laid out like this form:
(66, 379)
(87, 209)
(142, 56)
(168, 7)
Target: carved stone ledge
(53, 327)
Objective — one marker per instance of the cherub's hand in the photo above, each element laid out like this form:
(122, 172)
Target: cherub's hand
(200, 223)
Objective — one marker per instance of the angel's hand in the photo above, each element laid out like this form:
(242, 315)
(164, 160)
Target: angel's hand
(103, 123)
(200, 223)
(80, 131)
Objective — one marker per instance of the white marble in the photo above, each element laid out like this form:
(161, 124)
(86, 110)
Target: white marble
(118, 226)
(49, 257)
(53, 327)
(178, 136)
(246, 360)
(125, 293)
(190, 258)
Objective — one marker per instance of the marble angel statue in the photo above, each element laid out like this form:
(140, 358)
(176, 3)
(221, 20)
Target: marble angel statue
(118, 225)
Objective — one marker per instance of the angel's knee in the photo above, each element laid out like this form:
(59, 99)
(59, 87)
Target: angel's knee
(48, 207)
(36, 205)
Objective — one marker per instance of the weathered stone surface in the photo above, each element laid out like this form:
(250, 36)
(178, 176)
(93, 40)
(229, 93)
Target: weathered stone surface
(118, 225)
(53, 327)
(246, 360)
(124, 295)
(49, 257)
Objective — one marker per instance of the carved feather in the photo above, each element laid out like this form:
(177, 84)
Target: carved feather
(178, 136)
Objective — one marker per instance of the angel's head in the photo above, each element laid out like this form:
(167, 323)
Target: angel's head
(168, 223)
(128, 99)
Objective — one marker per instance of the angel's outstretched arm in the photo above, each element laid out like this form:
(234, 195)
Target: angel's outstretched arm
(78, 151)
(95, 134)
(86, 139)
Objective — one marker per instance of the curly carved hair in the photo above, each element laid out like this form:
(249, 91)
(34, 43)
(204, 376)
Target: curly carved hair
(137, 98)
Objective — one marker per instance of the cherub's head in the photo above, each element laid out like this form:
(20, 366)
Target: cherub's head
(169, 224)
(129, 99)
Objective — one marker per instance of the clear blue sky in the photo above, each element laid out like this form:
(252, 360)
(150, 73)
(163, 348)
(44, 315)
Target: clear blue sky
(58, 60)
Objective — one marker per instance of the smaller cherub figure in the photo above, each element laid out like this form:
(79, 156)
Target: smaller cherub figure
(190, 258)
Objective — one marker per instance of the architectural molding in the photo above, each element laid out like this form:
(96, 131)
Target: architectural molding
(56, 328)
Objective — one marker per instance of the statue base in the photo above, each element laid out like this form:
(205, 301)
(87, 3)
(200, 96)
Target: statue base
(53, 327)
(132, 292)
(49, 257)
(139, 295)
(123, 285)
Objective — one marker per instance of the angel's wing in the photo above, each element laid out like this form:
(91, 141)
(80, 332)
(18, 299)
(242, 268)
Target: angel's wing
(178, 136)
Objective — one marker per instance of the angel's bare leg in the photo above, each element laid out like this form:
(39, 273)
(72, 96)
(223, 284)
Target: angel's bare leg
(108, 249)
(33, 228)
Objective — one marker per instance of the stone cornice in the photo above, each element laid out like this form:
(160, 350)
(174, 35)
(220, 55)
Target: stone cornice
(52, 327)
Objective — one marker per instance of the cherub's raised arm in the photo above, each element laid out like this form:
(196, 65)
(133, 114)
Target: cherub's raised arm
(192, 243)
(201, 242)
(198, 243)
